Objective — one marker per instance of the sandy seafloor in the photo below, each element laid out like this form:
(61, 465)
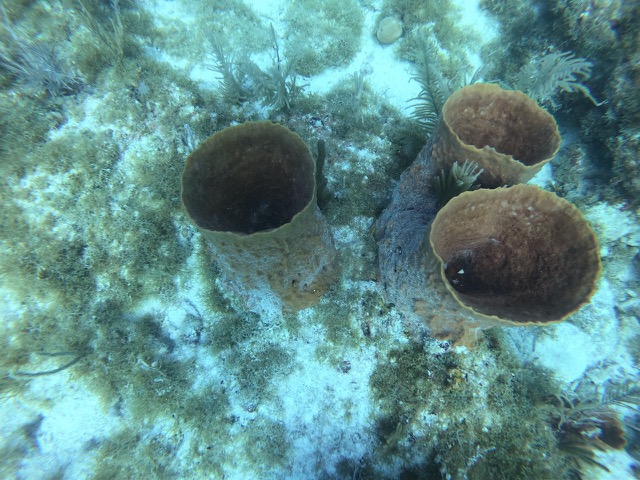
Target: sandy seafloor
(327, 413)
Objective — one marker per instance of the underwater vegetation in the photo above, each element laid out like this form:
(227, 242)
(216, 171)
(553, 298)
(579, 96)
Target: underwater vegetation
(545, 75)
(602, 35)
(35, 64)
(329, 38)
(275, 86)
(117, 306)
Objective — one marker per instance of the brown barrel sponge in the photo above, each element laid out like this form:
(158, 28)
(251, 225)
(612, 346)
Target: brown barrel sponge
(519, 254)
(251, 191)
(504, 132)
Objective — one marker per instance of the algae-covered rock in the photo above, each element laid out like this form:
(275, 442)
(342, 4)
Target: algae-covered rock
(322, 34)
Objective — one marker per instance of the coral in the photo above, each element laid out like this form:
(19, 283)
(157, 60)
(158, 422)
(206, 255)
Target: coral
(584, 429)
(231, 78)
(35, 64)
(251, 191)
(504, 132)
(111, 37)
(434, 92)
(544, 75)
(434, 412)
(277, 86)
(627, 163)
(437, 23)
(452, 183)
(39, 65)
(95, 215)
(524, 30)
(607, 34)
(519, 254)
(389, 30)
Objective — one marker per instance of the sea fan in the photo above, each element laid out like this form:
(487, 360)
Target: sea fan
(427, 106)
(543, 76)
(231, 78)
(277, 85)
(38, 65)
(35, 64)
(458, 179)
(433, 91)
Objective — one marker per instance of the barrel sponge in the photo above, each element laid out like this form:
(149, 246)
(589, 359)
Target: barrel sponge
(520, 255)
(251, 190)
(504, 132)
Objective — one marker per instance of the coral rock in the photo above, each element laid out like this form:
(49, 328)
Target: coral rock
(389, 30)
(408, 269)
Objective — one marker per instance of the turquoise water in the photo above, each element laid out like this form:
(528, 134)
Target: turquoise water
(135, 345)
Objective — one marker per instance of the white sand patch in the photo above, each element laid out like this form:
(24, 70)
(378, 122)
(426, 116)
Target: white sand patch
(385, 74)
(65, 420)
(326, 408)
(271, 11)
(619, 463)
(587, 346)
(544, 178)
(614, 226)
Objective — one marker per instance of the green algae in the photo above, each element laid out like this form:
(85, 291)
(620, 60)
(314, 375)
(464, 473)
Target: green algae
(85, 163)
(257, 367)
(606, 36)
(128, 359)
(504, 432)
(329, 38)
(130, 454)
(437, 23)
(231, 21)
(25, 123)
(266, 445)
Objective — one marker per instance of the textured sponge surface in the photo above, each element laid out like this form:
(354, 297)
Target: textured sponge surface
(508, 121)
(503, 132)
(521, 254)
(250, 189)
(248, 178)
